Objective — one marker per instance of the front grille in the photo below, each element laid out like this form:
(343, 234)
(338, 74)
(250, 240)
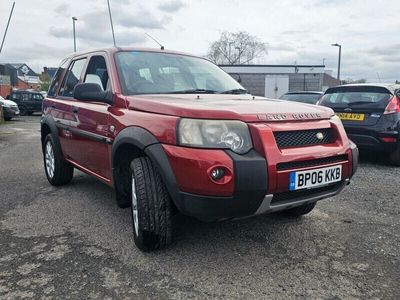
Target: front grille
(311, 163)
(294, 195)
(300, 138)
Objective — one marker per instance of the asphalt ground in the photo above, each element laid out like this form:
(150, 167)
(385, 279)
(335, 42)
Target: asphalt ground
(74, 242)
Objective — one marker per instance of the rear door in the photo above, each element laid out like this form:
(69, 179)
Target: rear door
(62, 113)
(358, 105)
(36, 101)
(92, 129)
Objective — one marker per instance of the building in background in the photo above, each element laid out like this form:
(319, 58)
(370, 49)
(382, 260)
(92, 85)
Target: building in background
(5, 86)
(272, 81)
(21, 76)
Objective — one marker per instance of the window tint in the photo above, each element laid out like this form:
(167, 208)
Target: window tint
(72, 78)
(96, 72)
(56, 79)
(353, 96)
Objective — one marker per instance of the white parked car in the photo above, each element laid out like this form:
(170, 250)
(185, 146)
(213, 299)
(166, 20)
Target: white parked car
(10, 109)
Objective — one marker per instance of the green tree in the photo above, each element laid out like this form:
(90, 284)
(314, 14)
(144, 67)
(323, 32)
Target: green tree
(45, 82)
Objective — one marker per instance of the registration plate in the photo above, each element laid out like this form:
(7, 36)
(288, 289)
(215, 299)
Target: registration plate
(314, 178)
(351, 117)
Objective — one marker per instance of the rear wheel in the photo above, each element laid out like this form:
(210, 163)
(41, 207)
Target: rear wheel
(7, 118)
(151, 206)
(58, 171)
(395, 156)
(300, 210)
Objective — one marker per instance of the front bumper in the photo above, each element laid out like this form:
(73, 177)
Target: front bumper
(208, 208)
(248, 194)
(10, 112)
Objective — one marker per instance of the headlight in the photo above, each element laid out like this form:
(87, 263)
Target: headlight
(221, 134)
(336, 119)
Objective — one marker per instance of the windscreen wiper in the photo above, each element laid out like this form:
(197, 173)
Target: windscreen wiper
(193, 91)
(235, 91)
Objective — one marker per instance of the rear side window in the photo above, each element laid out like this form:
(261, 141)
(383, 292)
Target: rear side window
(56, 79)
(353, 96)
(15, 97)
(72, 78)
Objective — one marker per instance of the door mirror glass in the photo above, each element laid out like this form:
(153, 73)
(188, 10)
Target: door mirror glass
(92, 92)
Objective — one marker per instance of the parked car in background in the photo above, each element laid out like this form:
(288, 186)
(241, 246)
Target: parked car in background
(10, 109)
(303, 97)
(370, 114)
(28, 102)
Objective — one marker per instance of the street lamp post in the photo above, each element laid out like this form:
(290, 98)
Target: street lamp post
(238, 49)
(340, 56)
(73, 28)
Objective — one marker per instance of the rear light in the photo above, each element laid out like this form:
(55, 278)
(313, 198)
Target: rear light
(388, 139)
(393, 106)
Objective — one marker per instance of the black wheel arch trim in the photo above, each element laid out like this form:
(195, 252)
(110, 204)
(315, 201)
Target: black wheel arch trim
(147, 142)
(49, 121)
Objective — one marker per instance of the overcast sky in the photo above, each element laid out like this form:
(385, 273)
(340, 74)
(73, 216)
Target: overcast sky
(40, 33)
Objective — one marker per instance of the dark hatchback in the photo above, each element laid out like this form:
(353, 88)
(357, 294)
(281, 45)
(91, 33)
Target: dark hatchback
(28, 102)
(370, 114)
(303, 97)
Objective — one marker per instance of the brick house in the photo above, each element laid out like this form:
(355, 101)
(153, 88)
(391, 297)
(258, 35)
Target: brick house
(20, 75)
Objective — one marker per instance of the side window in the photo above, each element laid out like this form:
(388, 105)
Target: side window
(16, 97)
(55, 82)
(72, 78)
(96, 72)
(37, 97)
(26, 97)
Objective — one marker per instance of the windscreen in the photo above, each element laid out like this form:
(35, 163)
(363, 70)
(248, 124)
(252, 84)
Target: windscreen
(159, 73)
(303, 98)
(357, 96)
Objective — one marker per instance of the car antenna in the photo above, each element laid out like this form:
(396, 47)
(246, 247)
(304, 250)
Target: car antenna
(161, 46)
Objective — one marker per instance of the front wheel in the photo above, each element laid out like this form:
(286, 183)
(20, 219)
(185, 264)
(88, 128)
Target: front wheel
(23, 111)
(58, 171)
(151, 206)
(300, 210)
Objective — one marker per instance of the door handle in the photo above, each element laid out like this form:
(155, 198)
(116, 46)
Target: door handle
(75, 109)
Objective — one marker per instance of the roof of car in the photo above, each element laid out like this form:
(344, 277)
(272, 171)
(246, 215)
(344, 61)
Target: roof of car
(393, 87)
(305, 92)
(112, 50)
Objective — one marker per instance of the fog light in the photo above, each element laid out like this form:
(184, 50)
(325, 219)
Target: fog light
(217, 173)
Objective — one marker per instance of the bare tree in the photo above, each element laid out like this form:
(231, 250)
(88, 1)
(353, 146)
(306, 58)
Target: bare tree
(236, 48)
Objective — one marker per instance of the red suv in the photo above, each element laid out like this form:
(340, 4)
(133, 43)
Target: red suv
(171, 132)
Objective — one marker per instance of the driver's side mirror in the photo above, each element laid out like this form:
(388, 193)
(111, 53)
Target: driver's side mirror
(92, 92)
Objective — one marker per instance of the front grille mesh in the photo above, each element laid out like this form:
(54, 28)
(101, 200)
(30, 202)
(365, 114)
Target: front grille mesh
(301, 138)
(311, 163)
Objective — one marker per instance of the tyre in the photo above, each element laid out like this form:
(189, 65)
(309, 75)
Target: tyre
(23, 111)
(58, 171)
(300, 210)
(151, 206)
(7, 118)
(394, 158)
